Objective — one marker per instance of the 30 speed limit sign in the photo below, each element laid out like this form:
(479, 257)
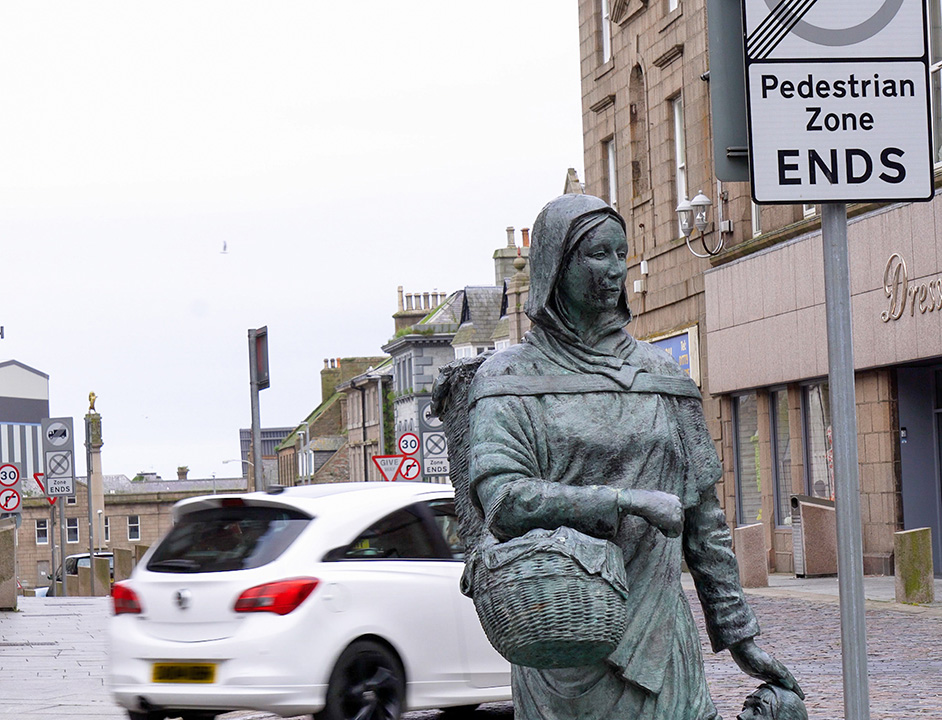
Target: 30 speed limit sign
(9, 475)
(408, 443)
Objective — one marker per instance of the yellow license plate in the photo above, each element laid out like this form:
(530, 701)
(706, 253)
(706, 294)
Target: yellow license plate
(184, 672)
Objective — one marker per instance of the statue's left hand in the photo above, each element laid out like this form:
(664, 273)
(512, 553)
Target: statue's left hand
(756, 662)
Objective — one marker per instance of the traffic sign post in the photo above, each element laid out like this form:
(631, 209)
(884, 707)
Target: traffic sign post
(58, 456)
(839, 111)
(11, 489)
(828, 122)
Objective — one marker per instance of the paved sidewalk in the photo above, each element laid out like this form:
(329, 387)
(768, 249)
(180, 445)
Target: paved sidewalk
(800, 621)
(53, 655)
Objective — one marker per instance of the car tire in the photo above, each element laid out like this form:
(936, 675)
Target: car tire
(367, 683)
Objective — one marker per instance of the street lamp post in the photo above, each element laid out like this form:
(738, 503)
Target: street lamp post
(693, 214)
(231, 460)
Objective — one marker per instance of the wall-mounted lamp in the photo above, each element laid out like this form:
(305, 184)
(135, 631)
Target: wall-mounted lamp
(693, 214)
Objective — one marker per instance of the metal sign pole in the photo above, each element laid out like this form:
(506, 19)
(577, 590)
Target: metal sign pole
(846, 471)
(255, 482)
(62, 541)
(52, 550)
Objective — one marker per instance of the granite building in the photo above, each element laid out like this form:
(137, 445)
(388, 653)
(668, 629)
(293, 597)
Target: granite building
(751, 318)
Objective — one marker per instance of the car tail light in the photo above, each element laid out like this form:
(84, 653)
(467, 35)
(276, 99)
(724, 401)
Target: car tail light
(125, 600)
(278, 597)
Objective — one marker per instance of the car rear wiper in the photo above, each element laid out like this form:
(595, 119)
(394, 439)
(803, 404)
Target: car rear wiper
(173, 564)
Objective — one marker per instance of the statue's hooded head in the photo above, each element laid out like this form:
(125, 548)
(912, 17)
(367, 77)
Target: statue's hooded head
(558, 230)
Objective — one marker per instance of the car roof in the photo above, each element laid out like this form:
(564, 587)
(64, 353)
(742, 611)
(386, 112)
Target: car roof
(324, 498)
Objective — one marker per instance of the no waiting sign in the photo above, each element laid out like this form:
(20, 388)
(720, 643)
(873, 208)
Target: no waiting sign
(827, 121)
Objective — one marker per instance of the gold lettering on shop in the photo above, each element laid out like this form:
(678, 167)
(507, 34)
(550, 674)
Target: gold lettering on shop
(926, 296)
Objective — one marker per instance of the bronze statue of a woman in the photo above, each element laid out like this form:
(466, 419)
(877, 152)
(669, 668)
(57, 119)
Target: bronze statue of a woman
(565, 431)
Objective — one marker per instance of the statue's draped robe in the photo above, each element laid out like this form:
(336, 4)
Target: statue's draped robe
(552, 459)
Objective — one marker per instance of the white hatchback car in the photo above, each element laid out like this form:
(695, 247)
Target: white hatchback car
(339, 599)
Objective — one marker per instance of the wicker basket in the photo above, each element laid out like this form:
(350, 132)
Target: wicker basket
(545, 609)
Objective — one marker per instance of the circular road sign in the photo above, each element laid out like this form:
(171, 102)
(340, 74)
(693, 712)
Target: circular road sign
(433, 421)
(409, 470)
(837, 37)
(58, 434)
(10, 499)
(408, 443)
(9, 475)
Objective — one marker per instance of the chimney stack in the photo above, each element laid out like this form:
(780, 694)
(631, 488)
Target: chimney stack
(525, 233)
(510, 238)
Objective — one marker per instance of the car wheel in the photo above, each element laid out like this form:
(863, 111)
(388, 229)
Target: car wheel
(368, 683)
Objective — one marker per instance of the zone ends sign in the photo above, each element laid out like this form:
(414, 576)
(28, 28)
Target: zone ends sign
(827, 121)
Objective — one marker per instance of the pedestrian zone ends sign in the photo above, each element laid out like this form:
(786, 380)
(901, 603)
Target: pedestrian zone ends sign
(838, 100)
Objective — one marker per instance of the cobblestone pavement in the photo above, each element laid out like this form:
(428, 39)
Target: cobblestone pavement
(53, 662)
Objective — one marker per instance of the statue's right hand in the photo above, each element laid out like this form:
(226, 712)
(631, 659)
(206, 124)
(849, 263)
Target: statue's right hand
(662, 510)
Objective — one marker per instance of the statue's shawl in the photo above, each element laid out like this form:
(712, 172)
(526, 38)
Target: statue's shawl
(546, 365)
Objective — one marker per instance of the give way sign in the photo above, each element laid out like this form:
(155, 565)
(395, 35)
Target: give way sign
(388, 465)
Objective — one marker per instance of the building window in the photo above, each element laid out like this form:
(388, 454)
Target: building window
(819, 453)
(781, 456)
(134, 527)
(606, 17)
(611, 172)
(42, 532)
(935, 74)
(71, 500)
(107, 529)
(756, 221)
(680, 155)
(672, 5)
(748, 474)
(71, 530)
(809, 211)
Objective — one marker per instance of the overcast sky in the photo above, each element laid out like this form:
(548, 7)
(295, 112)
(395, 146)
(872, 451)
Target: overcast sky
(339, 149)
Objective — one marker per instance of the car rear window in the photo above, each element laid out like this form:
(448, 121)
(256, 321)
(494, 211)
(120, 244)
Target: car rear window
(223, 539)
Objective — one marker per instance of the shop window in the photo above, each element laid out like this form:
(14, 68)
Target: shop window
(71, 530)
(748, 472)
(42, 532)
(819, 455)
(781, 456)
(134, 527)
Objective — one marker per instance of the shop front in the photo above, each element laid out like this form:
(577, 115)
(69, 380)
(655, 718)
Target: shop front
(767, 360)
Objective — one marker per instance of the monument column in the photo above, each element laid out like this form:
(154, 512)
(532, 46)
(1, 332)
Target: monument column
(96, 491)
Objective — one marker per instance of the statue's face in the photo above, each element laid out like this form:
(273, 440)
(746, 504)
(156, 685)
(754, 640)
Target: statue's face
(756, 707)
(594, 277)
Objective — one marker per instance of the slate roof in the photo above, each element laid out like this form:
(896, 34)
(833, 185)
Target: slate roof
(480, 312)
